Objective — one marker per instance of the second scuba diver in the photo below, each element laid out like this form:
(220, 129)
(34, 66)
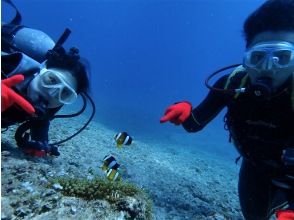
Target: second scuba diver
(259, 96)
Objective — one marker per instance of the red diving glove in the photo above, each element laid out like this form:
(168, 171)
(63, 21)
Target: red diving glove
(285, 215)
(9, 97)
(177, 113)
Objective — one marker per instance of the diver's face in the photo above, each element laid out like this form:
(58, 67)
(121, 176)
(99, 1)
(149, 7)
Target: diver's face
(55, 87)
(270, 57)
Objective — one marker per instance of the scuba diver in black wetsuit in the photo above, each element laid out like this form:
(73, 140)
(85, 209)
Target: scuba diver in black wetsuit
(39, 77)
(259, 96)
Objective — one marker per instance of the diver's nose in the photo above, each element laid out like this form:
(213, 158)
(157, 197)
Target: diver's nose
(53, 92)
(267, 63)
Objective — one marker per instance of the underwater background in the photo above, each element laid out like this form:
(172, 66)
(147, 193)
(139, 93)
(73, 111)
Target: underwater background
(142, 56)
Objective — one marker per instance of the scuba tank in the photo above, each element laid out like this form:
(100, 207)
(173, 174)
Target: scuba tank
(18, 38)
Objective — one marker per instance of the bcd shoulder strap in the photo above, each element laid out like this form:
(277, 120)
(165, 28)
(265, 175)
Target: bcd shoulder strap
(237, 79)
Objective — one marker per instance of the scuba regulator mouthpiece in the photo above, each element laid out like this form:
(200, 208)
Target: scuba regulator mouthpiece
(261, 89)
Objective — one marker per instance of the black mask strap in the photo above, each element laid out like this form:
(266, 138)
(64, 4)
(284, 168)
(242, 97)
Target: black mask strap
(17, 19)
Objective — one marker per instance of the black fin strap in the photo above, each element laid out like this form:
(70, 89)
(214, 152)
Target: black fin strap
(21, 136)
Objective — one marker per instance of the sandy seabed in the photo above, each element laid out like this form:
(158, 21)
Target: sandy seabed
(182, 184)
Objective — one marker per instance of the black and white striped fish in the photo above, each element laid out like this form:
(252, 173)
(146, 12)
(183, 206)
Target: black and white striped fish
(111, 168)
(122, 138)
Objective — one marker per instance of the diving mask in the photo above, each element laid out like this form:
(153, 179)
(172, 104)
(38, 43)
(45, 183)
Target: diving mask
(270, 55)
(60, 85)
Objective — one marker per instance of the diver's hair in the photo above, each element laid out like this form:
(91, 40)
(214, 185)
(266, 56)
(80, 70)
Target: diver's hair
(273, 15)
(59, 58)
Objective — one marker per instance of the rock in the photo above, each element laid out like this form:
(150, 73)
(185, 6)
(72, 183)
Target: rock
(132, 206)
(47, 193)
(46, 208)
(73, 209)
(6, 209)
(21, 212)
(43, 180)
(5, 153)
(219, 217)
(57, 186)
(28, 186)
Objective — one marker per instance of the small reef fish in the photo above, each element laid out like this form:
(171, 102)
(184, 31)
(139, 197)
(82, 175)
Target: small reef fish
(113, 175)
(111, 168)
(122, 138)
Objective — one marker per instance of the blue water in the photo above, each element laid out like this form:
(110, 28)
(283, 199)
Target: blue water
(146, 55)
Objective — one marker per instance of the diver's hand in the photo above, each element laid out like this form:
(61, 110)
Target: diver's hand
(285, 215)
(177, 113)
(9, 97)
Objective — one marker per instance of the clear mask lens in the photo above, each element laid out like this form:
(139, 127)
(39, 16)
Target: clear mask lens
(58, 87)
(67, 95)
(270, 55)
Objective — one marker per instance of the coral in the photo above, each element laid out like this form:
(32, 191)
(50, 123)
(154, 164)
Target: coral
(123, 195)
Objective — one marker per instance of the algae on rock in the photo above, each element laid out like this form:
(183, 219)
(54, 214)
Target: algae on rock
(123, 195)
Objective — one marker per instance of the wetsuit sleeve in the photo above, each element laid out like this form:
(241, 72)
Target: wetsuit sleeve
(40, 128)
(207, 109)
